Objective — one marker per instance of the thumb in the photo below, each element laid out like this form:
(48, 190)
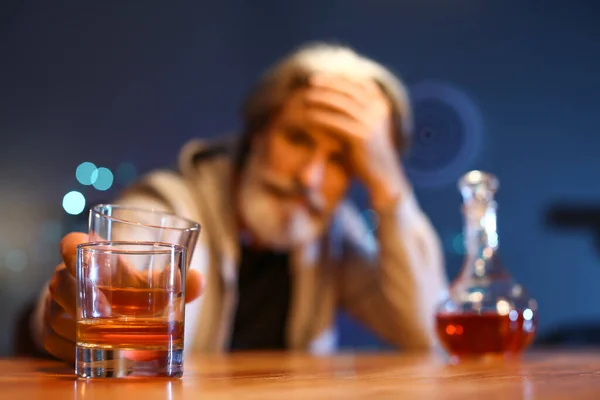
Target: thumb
(194, 285)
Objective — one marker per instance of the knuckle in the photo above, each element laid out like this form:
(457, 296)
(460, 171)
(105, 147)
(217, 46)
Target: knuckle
(62, 290)
(55, 343)
(52, 286)
(56, 278)
(53, 321)
(47, 309)
(51, 313)
(57, 315)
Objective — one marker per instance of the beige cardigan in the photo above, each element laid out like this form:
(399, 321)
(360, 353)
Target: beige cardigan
(392, 284)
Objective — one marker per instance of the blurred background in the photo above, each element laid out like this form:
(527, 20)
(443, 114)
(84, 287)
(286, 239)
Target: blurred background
(508, 87)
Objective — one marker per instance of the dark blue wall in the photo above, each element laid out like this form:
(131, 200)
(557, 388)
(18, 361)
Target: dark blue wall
(515, 83)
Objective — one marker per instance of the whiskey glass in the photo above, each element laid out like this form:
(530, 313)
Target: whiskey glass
(130, 309)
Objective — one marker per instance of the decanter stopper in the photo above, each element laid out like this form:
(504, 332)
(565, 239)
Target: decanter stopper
(478, 186)
(478, 190)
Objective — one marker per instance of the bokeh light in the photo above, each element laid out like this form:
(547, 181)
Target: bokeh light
(74, 202)
(102, 178)
(125, 173)
(16, 260)
(85, 173)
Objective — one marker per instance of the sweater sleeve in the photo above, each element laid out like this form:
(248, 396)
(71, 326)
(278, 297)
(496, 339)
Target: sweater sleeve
(394, 284)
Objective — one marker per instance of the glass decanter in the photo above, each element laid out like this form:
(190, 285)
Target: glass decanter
(486, 311)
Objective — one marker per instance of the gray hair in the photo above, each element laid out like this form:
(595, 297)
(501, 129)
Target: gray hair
(293, 72)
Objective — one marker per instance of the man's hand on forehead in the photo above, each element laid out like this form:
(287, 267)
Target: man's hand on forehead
(359, 112)
(357, 101)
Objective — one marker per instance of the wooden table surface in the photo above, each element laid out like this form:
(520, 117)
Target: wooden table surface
(538, 375)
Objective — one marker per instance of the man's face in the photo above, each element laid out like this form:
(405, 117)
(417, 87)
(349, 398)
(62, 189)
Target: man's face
(295, 177)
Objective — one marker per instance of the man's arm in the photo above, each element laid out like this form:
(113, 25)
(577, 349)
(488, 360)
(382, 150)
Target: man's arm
(140, 197)
(394, 289)
(393, 285)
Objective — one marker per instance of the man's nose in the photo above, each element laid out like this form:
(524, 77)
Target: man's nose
(312, 173)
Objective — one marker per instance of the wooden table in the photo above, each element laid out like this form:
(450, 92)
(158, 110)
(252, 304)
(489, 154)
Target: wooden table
(539, 375)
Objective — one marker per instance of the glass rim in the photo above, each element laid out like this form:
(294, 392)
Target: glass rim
(194, 226)
(110, 247)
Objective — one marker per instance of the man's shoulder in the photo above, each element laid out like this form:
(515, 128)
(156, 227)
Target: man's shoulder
(199, 155)
(202, 164)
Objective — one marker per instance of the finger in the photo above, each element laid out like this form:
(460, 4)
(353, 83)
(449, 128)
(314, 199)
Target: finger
(68, 249)
(194, 285)
(63, 289)
(336, 101)
(59, 347)
(357, 90)
(63, 292)
(60, 321)
(194, 282)
(347, 129)
(121, 270)
(120, 267)
(365, 92)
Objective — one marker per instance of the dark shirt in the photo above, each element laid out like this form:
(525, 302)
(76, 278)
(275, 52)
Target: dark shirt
(264, 288)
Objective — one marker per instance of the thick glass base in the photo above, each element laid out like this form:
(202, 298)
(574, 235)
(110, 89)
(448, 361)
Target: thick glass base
(128, 363)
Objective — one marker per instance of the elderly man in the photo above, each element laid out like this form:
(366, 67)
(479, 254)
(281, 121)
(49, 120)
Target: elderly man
(281, 248)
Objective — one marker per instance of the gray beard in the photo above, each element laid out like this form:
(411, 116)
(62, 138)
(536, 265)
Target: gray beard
(274, 222)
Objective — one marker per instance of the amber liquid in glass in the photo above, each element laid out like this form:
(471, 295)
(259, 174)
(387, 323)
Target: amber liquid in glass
(470, 334)
(141, 335)
(138, 319)
(137, 301)
(135, 334)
